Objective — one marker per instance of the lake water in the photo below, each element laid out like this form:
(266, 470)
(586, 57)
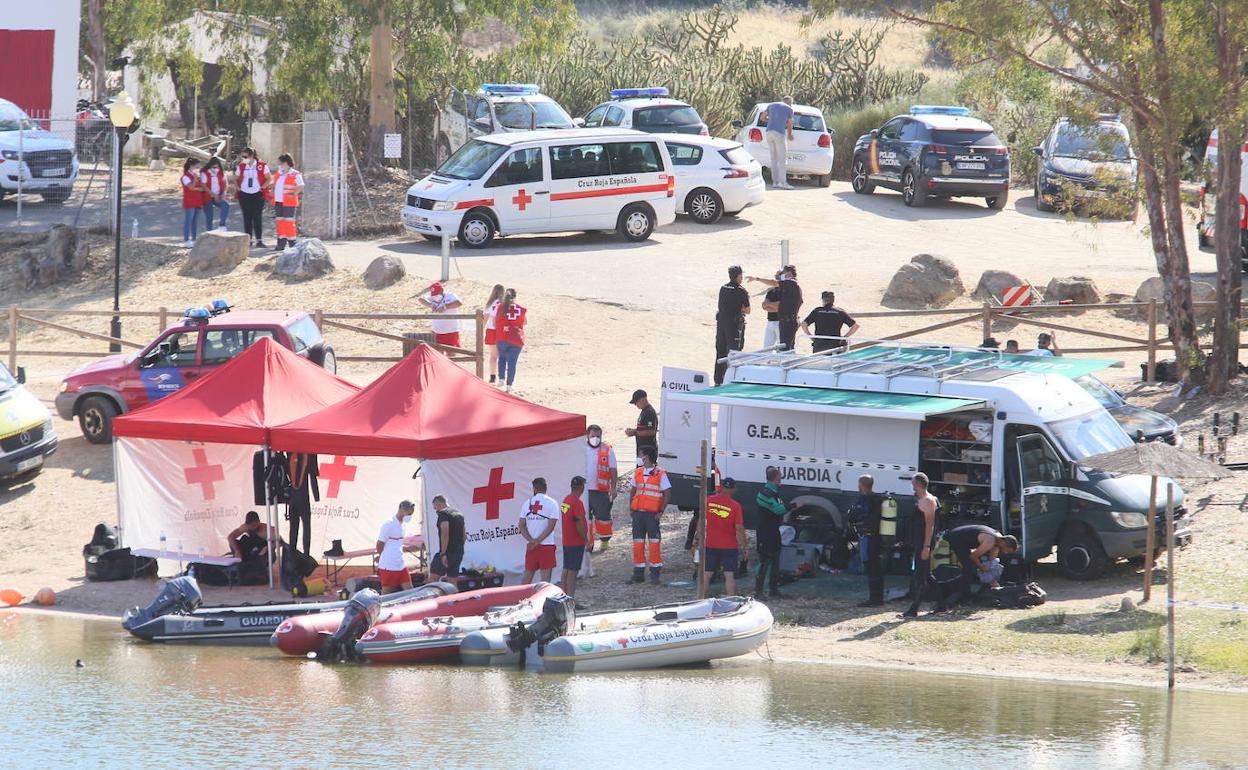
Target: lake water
(137, 705)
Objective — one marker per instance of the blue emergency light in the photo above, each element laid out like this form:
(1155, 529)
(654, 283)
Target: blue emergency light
(638, 93)
(218, 307)
(197, 314)
(510, 89)
(937, 109)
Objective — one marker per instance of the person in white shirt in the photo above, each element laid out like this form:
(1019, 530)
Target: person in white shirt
(390, 565)
(538, 518)
(216, 185)
(445, 331)
(491, 328)
(250, 179)
(1046, 345)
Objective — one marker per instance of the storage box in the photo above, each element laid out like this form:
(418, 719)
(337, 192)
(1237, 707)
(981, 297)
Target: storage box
(955, 478)
(799, 553)
(976, 456)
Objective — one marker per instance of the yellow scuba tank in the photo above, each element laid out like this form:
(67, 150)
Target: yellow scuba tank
(888, 516)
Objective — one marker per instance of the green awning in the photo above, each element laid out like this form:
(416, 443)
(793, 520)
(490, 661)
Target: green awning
(829, 401)
(1064, 366)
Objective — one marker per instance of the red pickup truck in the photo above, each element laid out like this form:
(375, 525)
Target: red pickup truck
(95, 393)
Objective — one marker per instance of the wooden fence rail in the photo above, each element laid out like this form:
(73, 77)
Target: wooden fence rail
(19, 317)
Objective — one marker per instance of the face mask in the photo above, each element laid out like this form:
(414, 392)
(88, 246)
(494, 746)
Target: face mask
(594, 440)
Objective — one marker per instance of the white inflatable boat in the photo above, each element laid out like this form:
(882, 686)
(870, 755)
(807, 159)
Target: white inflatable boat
(650, 637)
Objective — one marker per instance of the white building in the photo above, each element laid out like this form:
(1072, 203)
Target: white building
(39, 56)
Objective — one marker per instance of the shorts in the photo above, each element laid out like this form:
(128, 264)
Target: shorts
(573, 557)
(539, 558)
(725, 558)
(491, 336)
(446, 564)
(599, 505)
(450, 338)
(394, 578)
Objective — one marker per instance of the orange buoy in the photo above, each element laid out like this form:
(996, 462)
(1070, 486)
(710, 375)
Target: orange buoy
(45, 596)
(11, 597)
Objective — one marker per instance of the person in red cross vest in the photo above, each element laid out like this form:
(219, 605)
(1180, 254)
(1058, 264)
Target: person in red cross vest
(287, 187)
(251, 179)
(602, 473)
(652, 490)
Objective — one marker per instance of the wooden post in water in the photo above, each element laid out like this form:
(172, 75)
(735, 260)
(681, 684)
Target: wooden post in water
(703, 584)
(1170, 579)
(1150, 541)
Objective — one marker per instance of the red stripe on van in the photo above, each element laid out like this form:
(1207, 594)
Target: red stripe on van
(611, 191)
(474, 204)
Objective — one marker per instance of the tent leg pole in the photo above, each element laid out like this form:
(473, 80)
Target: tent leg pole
(121, 533)
(268, 515)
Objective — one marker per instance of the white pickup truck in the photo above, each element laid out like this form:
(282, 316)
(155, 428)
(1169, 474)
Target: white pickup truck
(33, 160)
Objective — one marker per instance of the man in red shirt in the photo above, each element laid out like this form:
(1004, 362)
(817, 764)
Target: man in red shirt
(725, 536)
(575, 534)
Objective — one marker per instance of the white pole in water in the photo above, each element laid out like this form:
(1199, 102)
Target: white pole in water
(1170, 579)
(446, 256)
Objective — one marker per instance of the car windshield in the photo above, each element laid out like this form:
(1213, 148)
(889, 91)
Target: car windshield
(13, 119)
(472, 160)
(662, 117)
(1102, 143)
(6, 380)
(1090, 434)
(304, 334)
(803, 122)
(542, 115)
(1099, 390)
(966, 136)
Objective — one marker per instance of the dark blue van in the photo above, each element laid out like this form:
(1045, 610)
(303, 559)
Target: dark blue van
(934, 152)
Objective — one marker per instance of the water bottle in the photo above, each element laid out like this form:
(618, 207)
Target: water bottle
(163, 544)
(134, 229)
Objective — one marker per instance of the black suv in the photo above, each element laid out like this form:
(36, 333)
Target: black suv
(934, 151)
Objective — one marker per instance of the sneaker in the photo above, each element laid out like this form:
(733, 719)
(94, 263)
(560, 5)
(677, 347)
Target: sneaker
(635, 580)
(910, 613)
(221, 228)
(261, 244)
(188, 244)
(508, 388)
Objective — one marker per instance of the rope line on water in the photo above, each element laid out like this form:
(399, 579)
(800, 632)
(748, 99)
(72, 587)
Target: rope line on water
(1209, 605)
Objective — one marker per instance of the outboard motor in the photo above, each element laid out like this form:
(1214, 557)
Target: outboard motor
(558, 615)
(361, 613)
(180, 595)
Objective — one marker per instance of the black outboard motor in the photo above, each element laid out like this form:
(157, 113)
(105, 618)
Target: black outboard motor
(180, 595)
(360, 614)
(558, 615)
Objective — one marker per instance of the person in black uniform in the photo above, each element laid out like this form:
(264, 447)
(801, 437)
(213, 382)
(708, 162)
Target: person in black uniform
(865, 515)
(829, 321)
(734, 305)
(969, 542)
(646, 434)
(446, 562)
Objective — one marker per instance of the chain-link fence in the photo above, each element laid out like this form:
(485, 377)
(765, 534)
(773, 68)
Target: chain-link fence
(55, 170)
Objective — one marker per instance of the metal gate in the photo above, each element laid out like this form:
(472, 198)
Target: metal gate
(324, 205)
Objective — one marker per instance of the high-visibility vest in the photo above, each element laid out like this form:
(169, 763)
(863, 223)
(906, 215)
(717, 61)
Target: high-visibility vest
(289, 181)
(647, 490)
(602, 478)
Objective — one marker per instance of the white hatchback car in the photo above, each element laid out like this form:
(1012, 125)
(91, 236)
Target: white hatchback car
(810, 153)
(714, 177)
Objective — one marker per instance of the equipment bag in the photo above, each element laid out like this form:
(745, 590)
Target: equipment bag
(1015, 597)
(104, 564)
(209, 574)
(295, 567)
(104, 536)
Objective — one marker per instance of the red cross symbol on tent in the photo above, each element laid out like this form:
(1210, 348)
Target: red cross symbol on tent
(204, 474)
(522, 199)
(494, 493)
(337, 473)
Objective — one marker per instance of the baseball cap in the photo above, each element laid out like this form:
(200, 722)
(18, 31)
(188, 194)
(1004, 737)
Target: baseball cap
(436, 288)
(729, 482)
(637, 396)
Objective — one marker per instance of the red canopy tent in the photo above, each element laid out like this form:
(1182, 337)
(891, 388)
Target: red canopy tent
(429, 408)
(264, 386)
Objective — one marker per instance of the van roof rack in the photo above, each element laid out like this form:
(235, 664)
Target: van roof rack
(940, 364)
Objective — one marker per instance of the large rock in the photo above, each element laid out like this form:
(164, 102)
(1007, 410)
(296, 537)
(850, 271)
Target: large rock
(994, 282)
(1077, 289)
(1154, 289)
(925, 281)
(383, 272)
(219, 250)
(62, 257)
(305, 260)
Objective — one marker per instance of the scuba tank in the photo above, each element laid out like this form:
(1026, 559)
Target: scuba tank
(888, 516)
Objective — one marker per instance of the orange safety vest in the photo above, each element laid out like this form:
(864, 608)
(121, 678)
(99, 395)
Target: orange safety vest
(647, 490)
(602, 480)
(290, 187)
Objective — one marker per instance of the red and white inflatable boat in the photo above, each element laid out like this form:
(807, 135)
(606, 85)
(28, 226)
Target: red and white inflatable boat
(304, 634)
(435, 637)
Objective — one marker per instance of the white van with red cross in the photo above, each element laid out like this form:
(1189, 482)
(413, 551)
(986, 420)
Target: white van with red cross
(545, 182)
(1208, 197)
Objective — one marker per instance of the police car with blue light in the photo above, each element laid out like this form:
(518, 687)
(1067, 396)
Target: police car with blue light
(646, 109)
(933, 152)
(494, 108)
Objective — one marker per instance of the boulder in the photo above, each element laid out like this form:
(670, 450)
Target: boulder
(305, 260)
(383, 272)
(1153, 289)
(219, 250)
(993, 282)
(1077, 289)
(925, 281)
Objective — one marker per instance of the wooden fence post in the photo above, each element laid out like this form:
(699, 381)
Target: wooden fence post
(162, 319)
(319, 317)
(1152, 340)
(987, 320)
(480, 344)
(13, 339)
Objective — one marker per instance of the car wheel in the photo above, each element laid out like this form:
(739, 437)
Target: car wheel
(329, 361)
(824, 180)
(443, 152)
(860, 182)
(911, 195)
(1040, 204)
(998, 201)
(55, 196)
(1080, 555)
(704, 206)
(636, 223)
(95, 419)
(477, 230)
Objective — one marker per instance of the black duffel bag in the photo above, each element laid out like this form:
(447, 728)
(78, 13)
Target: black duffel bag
(102, 564)
(295, 567)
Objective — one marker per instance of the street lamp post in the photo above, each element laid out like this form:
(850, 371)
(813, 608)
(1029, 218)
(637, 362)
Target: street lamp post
(121, 113)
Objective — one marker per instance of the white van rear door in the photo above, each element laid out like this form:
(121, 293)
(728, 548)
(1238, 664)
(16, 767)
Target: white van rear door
(683, 425)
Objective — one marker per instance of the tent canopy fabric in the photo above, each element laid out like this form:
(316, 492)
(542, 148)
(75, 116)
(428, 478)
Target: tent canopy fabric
(429, 408)
(263, 386)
